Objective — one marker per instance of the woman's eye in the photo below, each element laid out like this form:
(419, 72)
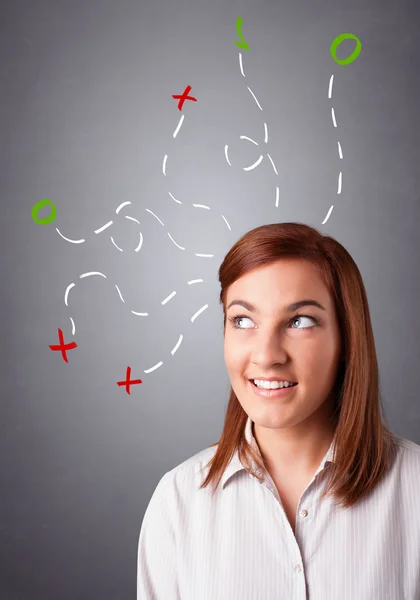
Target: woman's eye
(236, 321)
(241, 319)
(302, 317)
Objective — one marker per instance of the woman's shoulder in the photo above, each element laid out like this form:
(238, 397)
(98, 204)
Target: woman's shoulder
(186, 474)
(409, 448)
(409, 453)
(193, 465)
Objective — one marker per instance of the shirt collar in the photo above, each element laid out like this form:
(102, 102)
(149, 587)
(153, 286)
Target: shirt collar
(235, 464)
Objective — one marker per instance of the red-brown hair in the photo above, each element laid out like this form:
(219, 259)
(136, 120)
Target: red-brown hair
(365, 448)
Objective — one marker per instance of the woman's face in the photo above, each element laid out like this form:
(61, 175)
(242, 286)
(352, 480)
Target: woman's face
(272, 342)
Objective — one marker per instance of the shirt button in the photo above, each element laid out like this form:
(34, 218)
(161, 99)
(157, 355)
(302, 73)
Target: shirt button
(298, 568)
(303, 513)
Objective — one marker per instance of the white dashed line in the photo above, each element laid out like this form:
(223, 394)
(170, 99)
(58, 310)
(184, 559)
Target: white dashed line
(193, 318)
(122, 206)
(172, 239)
(255, 98)
(68, 239)
(256, 163)
(159, 364)
(168, 298)
(244, 137)
(119, 292)
(333, 117)
(240, 64)
(272, 162)
(340, 153)
(113, 241)
(132, 219)
(179, 201)
(104, 227)
(224, 218)
(92, 273)
(179, 126)
(152, 213)
(330, 86)
(226, 154)
(328, 214)
(177, 345)
(140, 243)
(66, 294)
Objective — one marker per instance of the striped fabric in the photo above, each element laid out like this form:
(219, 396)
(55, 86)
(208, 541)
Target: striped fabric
(238, 544)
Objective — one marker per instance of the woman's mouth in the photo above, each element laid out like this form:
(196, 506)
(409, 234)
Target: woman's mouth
(271, 393)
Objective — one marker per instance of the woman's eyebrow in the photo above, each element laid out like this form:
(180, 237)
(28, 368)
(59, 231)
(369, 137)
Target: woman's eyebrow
(290, 308)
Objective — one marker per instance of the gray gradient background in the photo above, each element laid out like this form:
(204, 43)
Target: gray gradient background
(86, 118)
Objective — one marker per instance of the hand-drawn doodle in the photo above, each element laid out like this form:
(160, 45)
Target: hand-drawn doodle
(136, 312)
(242, 43)
(104, 227)
(184, 96)
(351, 58)
(62, 347)
(129, 382)
(143, 314)
(38, 206)
(244, 137)
(337, 41)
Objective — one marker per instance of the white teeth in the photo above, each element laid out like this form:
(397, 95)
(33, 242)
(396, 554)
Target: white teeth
(273, 385)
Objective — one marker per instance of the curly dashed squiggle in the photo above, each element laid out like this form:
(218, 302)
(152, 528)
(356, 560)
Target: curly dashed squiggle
(340, 152)
(99, 274)
(346, 61)
(244, 137)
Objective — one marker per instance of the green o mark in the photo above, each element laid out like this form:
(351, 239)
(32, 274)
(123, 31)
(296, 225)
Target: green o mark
(337, 41)
(37, 208)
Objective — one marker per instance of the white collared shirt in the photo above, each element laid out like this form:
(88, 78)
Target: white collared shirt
(239, 545)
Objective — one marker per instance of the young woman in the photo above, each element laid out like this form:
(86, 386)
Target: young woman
(313, 496)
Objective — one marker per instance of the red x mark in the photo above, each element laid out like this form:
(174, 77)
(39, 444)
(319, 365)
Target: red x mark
(184, 97)
(63, 347)
(129, 381)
